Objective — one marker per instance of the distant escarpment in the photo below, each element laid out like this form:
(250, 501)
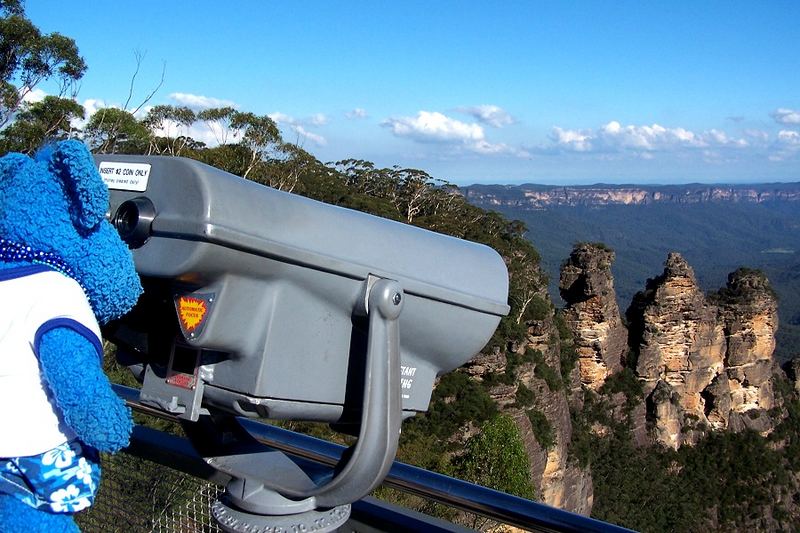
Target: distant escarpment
(704, 362)
(544, 196)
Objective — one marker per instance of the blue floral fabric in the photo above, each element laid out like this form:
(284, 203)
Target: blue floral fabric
(62, 480)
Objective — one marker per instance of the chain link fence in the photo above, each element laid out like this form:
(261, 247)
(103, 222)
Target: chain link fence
(140, 496)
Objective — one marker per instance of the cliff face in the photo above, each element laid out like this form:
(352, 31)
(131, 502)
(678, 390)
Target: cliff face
(749, 312)
(543, 196)
(537, 399)
(562, 484)
(587, 287)
(681, 348)
(705, 363)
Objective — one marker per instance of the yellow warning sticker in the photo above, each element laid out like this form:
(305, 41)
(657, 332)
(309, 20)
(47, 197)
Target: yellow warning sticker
(192, 312)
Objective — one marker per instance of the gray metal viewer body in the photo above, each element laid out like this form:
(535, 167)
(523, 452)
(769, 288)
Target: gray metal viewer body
(263, 303)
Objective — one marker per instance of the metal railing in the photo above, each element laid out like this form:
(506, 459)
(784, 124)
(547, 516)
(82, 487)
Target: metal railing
(178, 454)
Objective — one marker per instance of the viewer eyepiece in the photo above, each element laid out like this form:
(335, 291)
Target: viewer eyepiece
(133, 221)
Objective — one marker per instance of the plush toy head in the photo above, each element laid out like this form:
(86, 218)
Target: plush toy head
(56, 206)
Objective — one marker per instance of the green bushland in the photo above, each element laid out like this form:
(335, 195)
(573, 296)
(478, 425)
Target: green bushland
(627, 383)
(542, 428)
(523, 397)
(496, 458)
(731, 479)
(456, 401)
(545, 372)
(568, 355)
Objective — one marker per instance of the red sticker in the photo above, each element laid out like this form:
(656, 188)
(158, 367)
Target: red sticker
(184, 381)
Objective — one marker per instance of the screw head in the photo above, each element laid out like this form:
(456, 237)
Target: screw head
(396, 299)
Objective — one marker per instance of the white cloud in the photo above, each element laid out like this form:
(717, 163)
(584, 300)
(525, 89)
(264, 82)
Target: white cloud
(213, 133)
(789, 138)
(299, 126)
(93, 105)
(614, 137)
(142, 111)
(319, 140)
(434, 127)
(573, 140)
(356, 113)
(786, 116)
(90, 106)
(282, 118)
(198, 102)
(318, 119)
(487, 148)
(489, 114)
(786, 146)
(720, 138)
(172, 128)
(32, 96)
(757, 135)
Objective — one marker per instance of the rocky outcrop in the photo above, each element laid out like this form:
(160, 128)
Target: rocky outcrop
(591, 311)
(680, 342)
(706, 363)
(749, 312)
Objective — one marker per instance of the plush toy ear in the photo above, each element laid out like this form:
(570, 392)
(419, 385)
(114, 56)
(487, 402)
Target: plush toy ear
(86, 192)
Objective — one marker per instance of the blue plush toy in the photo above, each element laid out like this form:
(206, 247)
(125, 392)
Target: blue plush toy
(63, 269)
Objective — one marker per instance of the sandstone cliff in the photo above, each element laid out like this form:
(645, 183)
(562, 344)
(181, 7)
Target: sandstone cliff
(543, 196)
(537, 399)
(749, 312)
(591, 311)
(680, 346)
(705, 363)
(562, 483)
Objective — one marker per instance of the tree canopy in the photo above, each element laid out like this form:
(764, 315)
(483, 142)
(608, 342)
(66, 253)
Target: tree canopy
(28, 57)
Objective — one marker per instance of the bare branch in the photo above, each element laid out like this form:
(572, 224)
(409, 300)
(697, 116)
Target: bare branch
(139, 58)
(154, 91)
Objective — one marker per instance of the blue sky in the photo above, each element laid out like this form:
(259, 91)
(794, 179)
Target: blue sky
(490, 92)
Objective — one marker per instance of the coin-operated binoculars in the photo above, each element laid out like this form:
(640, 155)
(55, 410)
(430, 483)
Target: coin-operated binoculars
(260, 303)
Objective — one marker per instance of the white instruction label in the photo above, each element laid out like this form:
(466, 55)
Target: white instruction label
(406, 380)
(125, 176)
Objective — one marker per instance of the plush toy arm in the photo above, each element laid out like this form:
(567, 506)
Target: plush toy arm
(74, 375)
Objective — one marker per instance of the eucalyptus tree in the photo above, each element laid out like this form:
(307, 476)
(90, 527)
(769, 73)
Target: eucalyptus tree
(50, 119)
(28, 57)
(218, 121)
(259, 134)
(169, 129)
(111, 130)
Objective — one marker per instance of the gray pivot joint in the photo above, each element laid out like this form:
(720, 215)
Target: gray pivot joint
(267, 487)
